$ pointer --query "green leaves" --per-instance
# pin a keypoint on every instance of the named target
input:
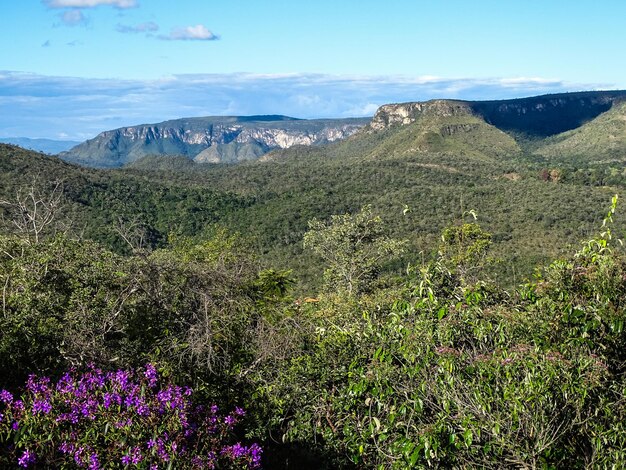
(353, 247)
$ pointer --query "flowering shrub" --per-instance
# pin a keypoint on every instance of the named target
(115, 420)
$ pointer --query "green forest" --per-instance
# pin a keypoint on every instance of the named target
(408, 298)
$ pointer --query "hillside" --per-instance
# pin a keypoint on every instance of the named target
(601, 140)
(439, 158)
(97, 203)
(226, 139)
(439, 126)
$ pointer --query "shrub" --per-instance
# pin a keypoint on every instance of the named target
(117, 419)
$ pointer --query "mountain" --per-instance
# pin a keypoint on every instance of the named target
(49, 146)
(539, 116)
(439, 126)
(225, 139)
(589, 125)
(602, 139)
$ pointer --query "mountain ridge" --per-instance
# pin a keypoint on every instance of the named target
(541, 115)
(228, 139)
(485, 129)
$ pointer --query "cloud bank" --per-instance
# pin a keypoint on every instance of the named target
(40, 106)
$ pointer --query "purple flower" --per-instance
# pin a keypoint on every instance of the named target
(41, 406)
(6, 397)
(255, 452)
(38, 386)
(78, 455)
(26, 459)
(151, 374)
(66, 447)
(66, 383)
(136, 456)
(126, 460)
(94, 463)
(15, 425)
(121, 378)
(143, 410)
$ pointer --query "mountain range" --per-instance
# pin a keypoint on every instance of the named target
(559, 125)
(223, 139)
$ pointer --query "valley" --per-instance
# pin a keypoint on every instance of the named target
(439, 158)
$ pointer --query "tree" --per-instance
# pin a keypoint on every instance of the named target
(34, 209)
(464, 248)
(353, 246)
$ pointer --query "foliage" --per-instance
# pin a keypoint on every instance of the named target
(67, 302)
(440, 373)
(353, 247)
(439, 366)
(464, 247)
(117, 419)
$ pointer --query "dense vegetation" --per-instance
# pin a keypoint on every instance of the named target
(438, 367)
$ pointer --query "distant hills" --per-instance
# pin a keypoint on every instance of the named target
(225, 139)
(49, 146)
(558, 125)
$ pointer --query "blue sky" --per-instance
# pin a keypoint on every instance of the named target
(73, 68)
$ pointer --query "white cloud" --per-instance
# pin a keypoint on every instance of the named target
(190, 33)
(73, 18)
(148, 27)
(90, 3)
(44, 106)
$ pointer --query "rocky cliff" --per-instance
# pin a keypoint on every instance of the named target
(209, 139)
(539, 116)
(407, 113)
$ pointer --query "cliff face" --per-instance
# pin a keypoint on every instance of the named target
(213, 139)
(539, 116)
(406, 113)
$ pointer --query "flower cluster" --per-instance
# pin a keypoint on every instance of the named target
(123, 417)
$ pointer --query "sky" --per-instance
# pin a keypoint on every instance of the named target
(70, 69)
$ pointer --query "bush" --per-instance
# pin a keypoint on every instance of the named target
(117, 419)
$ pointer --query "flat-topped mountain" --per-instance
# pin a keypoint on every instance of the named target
(218, 139)
(585, 124)
(538, 116)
